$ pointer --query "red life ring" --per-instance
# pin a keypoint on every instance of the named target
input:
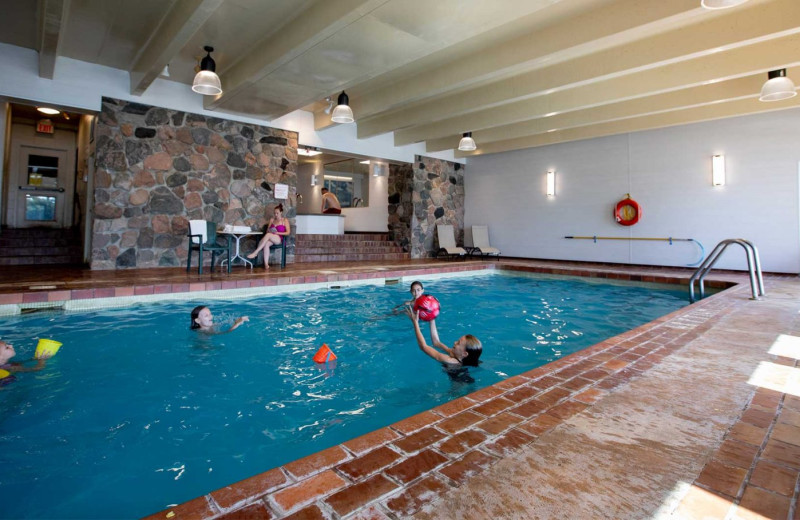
(627, 212)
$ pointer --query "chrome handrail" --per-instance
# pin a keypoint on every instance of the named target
(753, 268)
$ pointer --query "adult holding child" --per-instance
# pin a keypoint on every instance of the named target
(277, 229)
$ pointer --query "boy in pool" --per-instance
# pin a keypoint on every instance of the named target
(416, 292)
(203, 320)
(465, 352)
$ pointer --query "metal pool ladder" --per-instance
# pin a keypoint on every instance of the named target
(753, 268)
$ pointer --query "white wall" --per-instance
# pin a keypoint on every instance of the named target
(668, 171)
(80, 85)
(375, 217)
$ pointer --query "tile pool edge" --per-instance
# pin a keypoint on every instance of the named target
(399, 467)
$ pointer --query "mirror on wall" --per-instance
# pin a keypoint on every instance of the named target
(348, 179)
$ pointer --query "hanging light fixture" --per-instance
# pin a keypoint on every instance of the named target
(206, 81)
(720, 4)
(467, 143)
(342, 113)
(777, 87)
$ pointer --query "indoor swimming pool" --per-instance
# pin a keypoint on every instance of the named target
(136, 412)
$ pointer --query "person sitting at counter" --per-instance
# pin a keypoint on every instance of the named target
(330, 204)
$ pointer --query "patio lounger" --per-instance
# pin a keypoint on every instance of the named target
(447, 242)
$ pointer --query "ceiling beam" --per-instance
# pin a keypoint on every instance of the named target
(167, 39)
(601, 27)
(52, 21)
(700, 92)
(738, 28)
(733, 108)
(316, 24)
(739, 88)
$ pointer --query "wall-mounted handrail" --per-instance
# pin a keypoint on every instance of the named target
(753, 268)
(671, 240)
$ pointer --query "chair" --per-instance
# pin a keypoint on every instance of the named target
(447, 242)
(480, 242)
(281, 246)
(203, 237)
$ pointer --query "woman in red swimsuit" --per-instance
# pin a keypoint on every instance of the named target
(277, 228)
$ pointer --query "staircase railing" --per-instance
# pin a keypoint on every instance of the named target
(753, 268)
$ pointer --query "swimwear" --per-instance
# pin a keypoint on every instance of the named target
(333, 211)
(280, 229)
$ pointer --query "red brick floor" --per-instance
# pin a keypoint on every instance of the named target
(414, 466)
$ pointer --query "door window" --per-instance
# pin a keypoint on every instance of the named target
(43, 171)
(40, 207)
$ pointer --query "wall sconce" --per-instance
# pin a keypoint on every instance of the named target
(313, 180)
(718, 170)
(379, 169)
(551, 183)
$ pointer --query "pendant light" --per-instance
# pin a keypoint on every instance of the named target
(206, 81)
(342, 113)
(777, 87)
(467, 143)
(720, 4)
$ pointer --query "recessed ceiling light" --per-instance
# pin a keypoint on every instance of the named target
(364, 162)
(720, 4)
(47, 110)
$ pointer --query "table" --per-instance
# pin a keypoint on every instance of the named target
(237, 254)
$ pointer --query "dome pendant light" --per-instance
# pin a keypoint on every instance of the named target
(467, 143)
(720, 4)
(342, 113)
(777, 87)
(206, 81)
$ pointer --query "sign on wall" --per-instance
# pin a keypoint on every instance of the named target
(45, 126)
(281, 191)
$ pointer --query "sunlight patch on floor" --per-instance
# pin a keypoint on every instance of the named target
(786, 346)
(776, 377)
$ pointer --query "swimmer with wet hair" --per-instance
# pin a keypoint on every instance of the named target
(203, 320)
(416, 292)
(6, 353)
(465, 351)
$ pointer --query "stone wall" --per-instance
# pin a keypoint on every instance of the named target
(437, 198)
(401, 207)
(159, 168)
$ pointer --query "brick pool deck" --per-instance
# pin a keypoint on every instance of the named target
(693, 415)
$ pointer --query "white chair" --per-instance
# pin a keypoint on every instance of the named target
(447, 242)
(480, 242)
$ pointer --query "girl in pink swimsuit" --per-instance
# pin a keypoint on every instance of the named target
(277, 229)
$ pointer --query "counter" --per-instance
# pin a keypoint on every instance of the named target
(318, 224)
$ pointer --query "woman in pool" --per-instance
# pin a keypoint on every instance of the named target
(277, 228)
(416, 292)
(465, 352)
(203, 320)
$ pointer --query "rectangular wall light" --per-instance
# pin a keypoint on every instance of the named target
(551, 183)
(313, 180)
(718, 170)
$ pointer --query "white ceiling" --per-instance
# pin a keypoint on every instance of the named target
(517, 73)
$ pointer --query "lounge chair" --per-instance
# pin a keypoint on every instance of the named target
(480, 242)
(447, 242)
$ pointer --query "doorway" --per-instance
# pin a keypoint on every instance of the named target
(41, 187)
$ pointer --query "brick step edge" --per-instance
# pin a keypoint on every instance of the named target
(345, 250)
(40, 260)
(44, 252)
(347, 237)
(351, 257)
(337, 243)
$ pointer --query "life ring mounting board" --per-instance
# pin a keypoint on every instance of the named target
(627, 212)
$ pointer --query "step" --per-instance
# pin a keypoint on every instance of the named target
(351, 257)
(381, 237)
(41, 251)
(36, 241)
(40, 260)
(345, 250)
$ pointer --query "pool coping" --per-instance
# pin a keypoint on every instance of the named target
(398, 469)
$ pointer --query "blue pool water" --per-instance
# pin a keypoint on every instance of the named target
(136, 412)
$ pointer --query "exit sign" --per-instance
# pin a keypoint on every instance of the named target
(45, 126)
